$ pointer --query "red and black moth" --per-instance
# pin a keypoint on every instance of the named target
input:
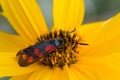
(33, 53)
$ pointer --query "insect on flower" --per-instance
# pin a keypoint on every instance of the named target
(35, 52)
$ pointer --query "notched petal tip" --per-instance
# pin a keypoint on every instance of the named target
(1, 11)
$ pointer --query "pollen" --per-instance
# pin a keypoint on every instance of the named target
(65, 54)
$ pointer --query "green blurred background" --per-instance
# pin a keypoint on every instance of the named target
(96, 10)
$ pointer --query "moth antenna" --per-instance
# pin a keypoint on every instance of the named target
(72, 31)
(83, 43)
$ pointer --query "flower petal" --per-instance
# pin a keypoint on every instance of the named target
(10, 67)
(21, 77)
(84, 74)
(88, 30)
(107, 31)
(52, 74)
(73, 75)
(5, 78)
(103, 49)
(41, 72)
(61, 73)
(107, 67)
(104, 40)
(67, 14)
(57, 73)
(10, 42)
(25, 17)
(101, 57)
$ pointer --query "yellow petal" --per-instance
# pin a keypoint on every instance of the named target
(107, 67)
(72, 75)
(26, 18)
(9, 65)
(60, 74)
(10, 42)
(107, 31)
(100, 57)
(57, 73)
(105, 39)
(42, 73)
(88, 30)
(82, 72)
(67, 14)
(21, 77)
(51, 73)
(79, 74)
(88, 73)
(64, 74)
(103, 49)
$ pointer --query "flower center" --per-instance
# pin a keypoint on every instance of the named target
(65, 53)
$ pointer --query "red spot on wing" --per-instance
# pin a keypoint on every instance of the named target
(24, 56)
(30, 59)
(36, 51)
(50, 48)
(39, 55)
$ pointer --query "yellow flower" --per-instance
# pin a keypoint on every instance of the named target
(100, 60)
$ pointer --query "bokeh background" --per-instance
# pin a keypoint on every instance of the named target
(96, 10)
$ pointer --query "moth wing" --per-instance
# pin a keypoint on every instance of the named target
(25, 60)
(45, 48)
